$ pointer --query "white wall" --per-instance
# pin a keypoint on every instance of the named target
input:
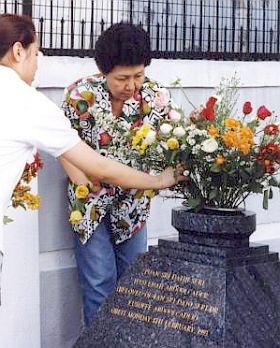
(39, 245)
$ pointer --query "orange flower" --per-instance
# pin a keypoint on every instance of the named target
(220, 159)
(213, 131)
(229, 139)
(232, 123)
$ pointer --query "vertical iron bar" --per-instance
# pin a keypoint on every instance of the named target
(72, 23)
(82, 34)
(131, 12)
(102, 25)
(248, 25)
(62, 33)
(51, 24)
(26, 7)
(166, 25)
(112, 12)
(225, 39)
(256, 40)
(270, 40)
(158, 37)
(241, 39)
(217, 26)
(175, 37)
(263, 28)
(91, 25)
(41, 20)
(185, 25)
(193, 38)
(278, 27)
(16, 7)
(149, 17)
(233, 25)
(209, 38)
(200, 24)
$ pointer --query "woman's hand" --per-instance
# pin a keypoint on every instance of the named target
(171, 176)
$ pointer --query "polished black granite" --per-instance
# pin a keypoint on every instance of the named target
(195, 293)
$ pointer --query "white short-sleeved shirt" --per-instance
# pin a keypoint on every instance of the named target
(28, 120)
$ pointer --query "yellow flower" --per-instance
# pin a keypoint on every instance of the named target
(232, 123)
(213, 131)
(145, 129)
(137, 138)
(149, 193)
(172, 144)
(247, 133)
(229, 138)
(143, 148)
(33, 201)
(81, 191)
(244, 148)
(75, 217)
(220, 159)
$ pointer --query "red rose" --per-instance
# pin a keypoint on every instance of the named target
(247, 108)
(263, 112)
(208, 113)
(104, 139)
(211, 102)
(271, 129)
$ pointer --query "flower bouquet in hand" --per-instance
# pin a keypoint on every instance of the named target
(22, 195)
(226, 157)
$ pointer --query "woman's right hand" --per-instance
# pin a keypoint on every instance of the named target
(171, 176)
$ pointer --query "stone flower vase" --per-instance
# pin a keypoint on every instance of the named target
(214, 226)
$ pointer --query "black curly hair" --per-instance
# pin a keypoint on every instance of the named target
(122, 44)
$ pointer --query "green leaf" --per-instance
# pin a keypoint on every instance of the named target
(215, 168)
(256, 188)
(194, 202)
(265, 199)
(7, 220)
(273, 182)
(213, 194)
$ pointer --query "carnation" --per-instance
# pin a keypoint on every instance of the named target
(165, 128)
(209, 145)
(179, 132)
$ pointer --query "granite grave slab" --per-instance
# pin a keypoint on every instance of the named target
(195, 293)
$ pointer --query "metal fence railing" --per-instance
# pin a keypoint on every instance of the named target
(186, 29)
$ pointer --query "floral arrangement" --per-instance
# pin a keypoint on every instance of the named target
(22, 195)
(226, 157)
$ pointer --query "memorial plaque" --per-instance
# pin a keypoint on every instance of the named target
(193, 295)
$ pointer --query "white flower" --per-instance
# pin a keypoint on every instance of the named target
(195, 149)
(179, 132)
(218, 98)
(186, 172)
(165, 128)
(209, 145)
(159, 149)
(150, 137)
(183, 147)
(191, 141)
(174, 115)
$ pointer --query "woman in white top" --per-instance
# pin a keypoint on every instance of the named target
(29, 120)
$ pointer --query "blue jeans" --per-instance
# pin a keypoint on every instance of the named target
(101, 263)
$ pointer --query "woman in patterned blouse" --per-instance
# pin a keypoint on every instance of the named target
(103, 108)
